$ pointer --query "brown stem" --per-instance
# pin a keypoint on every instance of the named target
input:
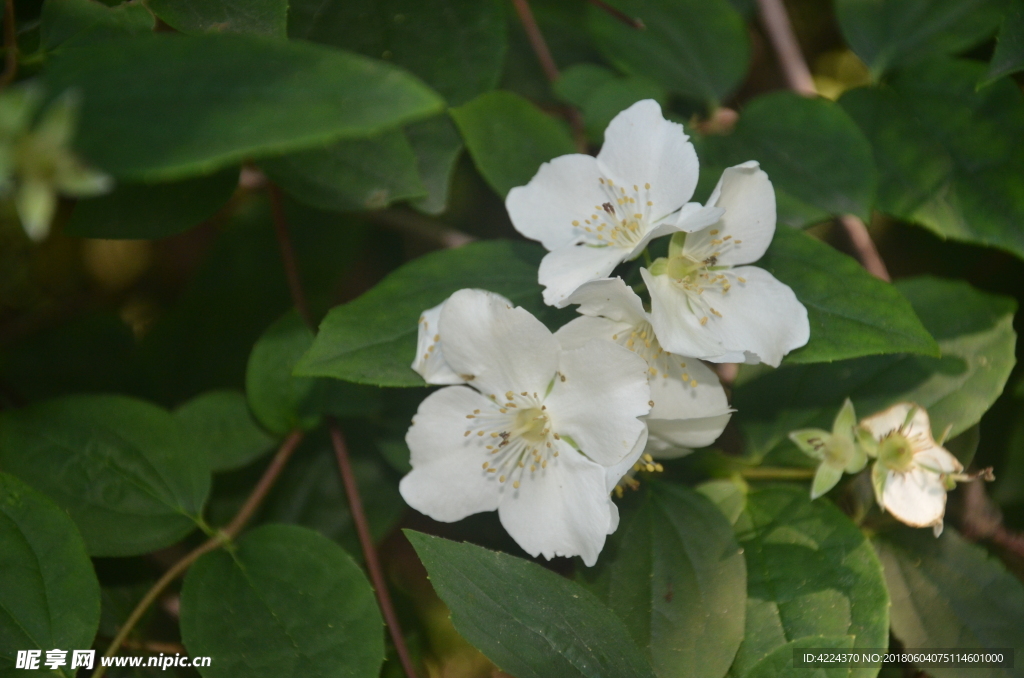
(291, 267)
(547, 64)
(380, 586)
(798, 78)
(411, 223)
(257, 496)
(10, 45)
(616, 14)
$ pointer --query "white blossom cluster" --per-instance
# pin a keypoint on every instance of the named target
(542, 426)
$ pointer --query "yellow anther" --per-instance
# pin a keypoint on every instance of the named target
(466, 434)
(704, 320)
(647, 186)
(742, 280)
(516, 484)
(693, 383)
(486, 464)
(713, 231)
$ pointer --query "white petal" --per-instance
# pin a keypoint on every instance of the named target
(916, 497)
(825, 478)
(563, 190)
(447, 481)
(678, 327)
(641, 147)
(885, 422)
(565, 269)
(610, 298)
(760, 316)
(579, 331)
(748, 198)
(502, 348)
(430, 363)
(694, 217)
(676, 398)
(613, 474)
(937, 459)
(672, 438)
(601, 390)
(561, 510)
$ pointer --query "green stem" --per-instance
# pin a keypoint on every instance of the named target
(774, 473)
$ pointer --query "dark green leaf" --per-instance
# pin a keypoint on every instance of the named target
(852, 313)
(372, 340)
(528, 620)
(949, 593)
(456, 46)
(224, 429)
(812, 151)
(245, 97)
(950, 156)
(509, 138)
(697, 48)
(258, 17)
(887, 33)
(286, 602)
(49, 596)
(1009, 55)
(437, 146)
(810, 573)
(975, 334)
(601, 95)
(84, 21)
(357, 174)
(124, 470)
(677, 578)
(137, 211)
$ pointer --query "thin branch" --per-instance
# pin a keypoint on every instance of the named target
(412, 223)
(257, 496)
(798, 77)
(772, 473)
(10, 45)
(291, 267)
(547, 64)
(787, 49)
(380, 586)
(617, 14)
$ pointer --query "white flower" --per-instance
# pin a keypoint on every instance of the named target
(532, 434)
(594, 213)
(912, 469)
(430, 362)
(838, 450)
(689, 406)
(704, 302)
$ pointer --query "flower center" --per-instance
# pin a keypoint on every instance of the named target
(693, 277)
(622, 220)
(896, 452)
(532, 425)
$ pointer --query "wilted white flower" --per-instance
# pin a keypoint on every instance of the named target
(532, 434)
(689, 407)
(594, 213)
(40, 162)
(430, 362)
(912, 470)
(704, 301)
(838, 450)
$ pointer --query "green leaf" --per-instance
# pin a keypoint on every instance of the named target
(285, 602)
(456, 46)
(49, 596)
(677, 579)
(280, 401)
(372, 340)
(528, 620)
(852, 313)
(224, 429)
(1009, 55)
(810, 573)
(975, 334)
(887, 33)
(697, 48)
(246, 97)
(357, 174)
(812, 151)
(950, 156)
(257, 17)
(437, 146)
(125, 471)
(949, 593)
(83, 21)
(137, 211)
(509, 138)
(601, 95)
